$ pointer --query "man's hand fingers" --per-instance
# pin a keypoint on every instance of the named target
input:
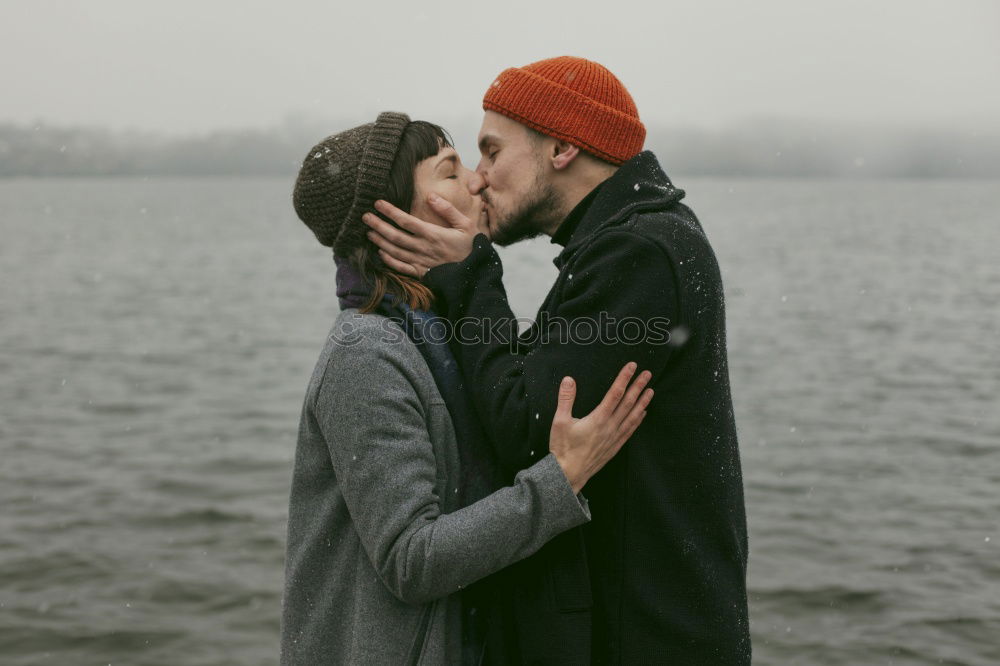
(390, 233)
(403, 219)
(400, 266)
(449, 213)
(392, 249)
(414, 225)
(617, 390)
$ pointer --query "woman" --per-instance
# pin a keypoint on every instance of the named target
(396, 503)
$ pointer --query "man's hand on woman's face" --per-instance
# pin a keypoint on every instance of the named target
(421, 245)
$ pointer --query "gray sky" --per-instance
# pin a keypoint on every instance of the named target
(184, 65)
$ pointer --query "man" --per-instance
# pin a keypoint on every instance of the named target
(659, 575)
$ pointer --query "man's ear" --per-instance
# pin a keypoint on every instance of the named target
(563, 154)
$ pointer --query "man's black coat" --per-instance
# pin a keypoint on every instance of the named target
(659, 575)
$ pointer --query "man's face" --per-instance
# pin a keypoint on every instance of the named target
(520, 202)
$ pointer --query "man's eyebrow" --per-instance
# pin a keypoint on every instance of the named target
(486, 140)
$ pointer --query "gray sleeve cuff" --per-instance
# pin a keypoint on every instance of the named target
(569, 505)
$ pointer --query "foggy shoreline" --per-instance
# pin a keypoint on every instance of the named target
(764, 148)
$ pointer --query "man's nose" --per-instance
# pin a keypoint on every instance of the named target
(481, 167)
(477, 182)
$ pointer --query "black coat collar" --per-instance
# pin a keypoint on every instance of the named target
(639, 185)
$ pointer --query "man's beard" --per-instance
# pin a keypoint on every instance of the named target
(536, 212)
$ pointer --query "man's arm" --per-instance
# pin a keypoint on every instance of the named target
(619, 277)
(616, 302)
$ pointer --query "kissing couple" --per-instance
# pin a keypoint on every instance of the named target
(519, 498)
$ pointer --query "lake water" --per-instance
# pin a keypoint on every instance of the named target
(157, 336)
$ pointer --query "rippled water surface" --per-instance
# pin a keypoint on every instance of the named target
(157, 336)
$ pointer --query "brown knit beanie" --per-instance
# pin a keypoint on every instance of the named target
(572, 99)
(341, 178)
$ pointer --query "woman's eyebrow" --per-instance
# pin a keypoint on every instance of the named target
(453, 158)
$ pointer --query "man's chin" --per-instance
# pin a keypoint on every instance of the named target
(512, 232)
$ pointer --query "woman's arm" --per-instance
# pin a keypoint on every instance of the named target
(376, 430)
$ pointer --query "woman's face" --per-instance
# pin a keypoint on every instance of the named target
(444, 175)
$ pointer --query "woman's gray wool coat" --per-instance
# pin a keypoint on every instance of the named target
(376, 544)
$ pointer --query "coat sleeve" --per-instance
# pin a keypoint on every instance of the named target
(615, 302)
(376, 430)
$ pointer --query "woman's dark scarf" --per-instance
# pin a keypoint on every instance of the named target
(479, 472)
(428, 332)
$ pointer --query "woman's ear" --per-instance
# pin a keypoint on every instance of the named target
(563, 154)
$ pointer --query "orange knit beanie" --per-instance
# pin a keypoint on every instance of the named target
(572, 99)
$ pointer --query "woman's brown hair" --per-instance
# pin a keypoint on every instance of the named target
(419, 141)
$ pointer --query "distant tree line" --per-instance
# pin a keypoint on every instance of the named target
(761, 148)
(799, 149)
(61, 151)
